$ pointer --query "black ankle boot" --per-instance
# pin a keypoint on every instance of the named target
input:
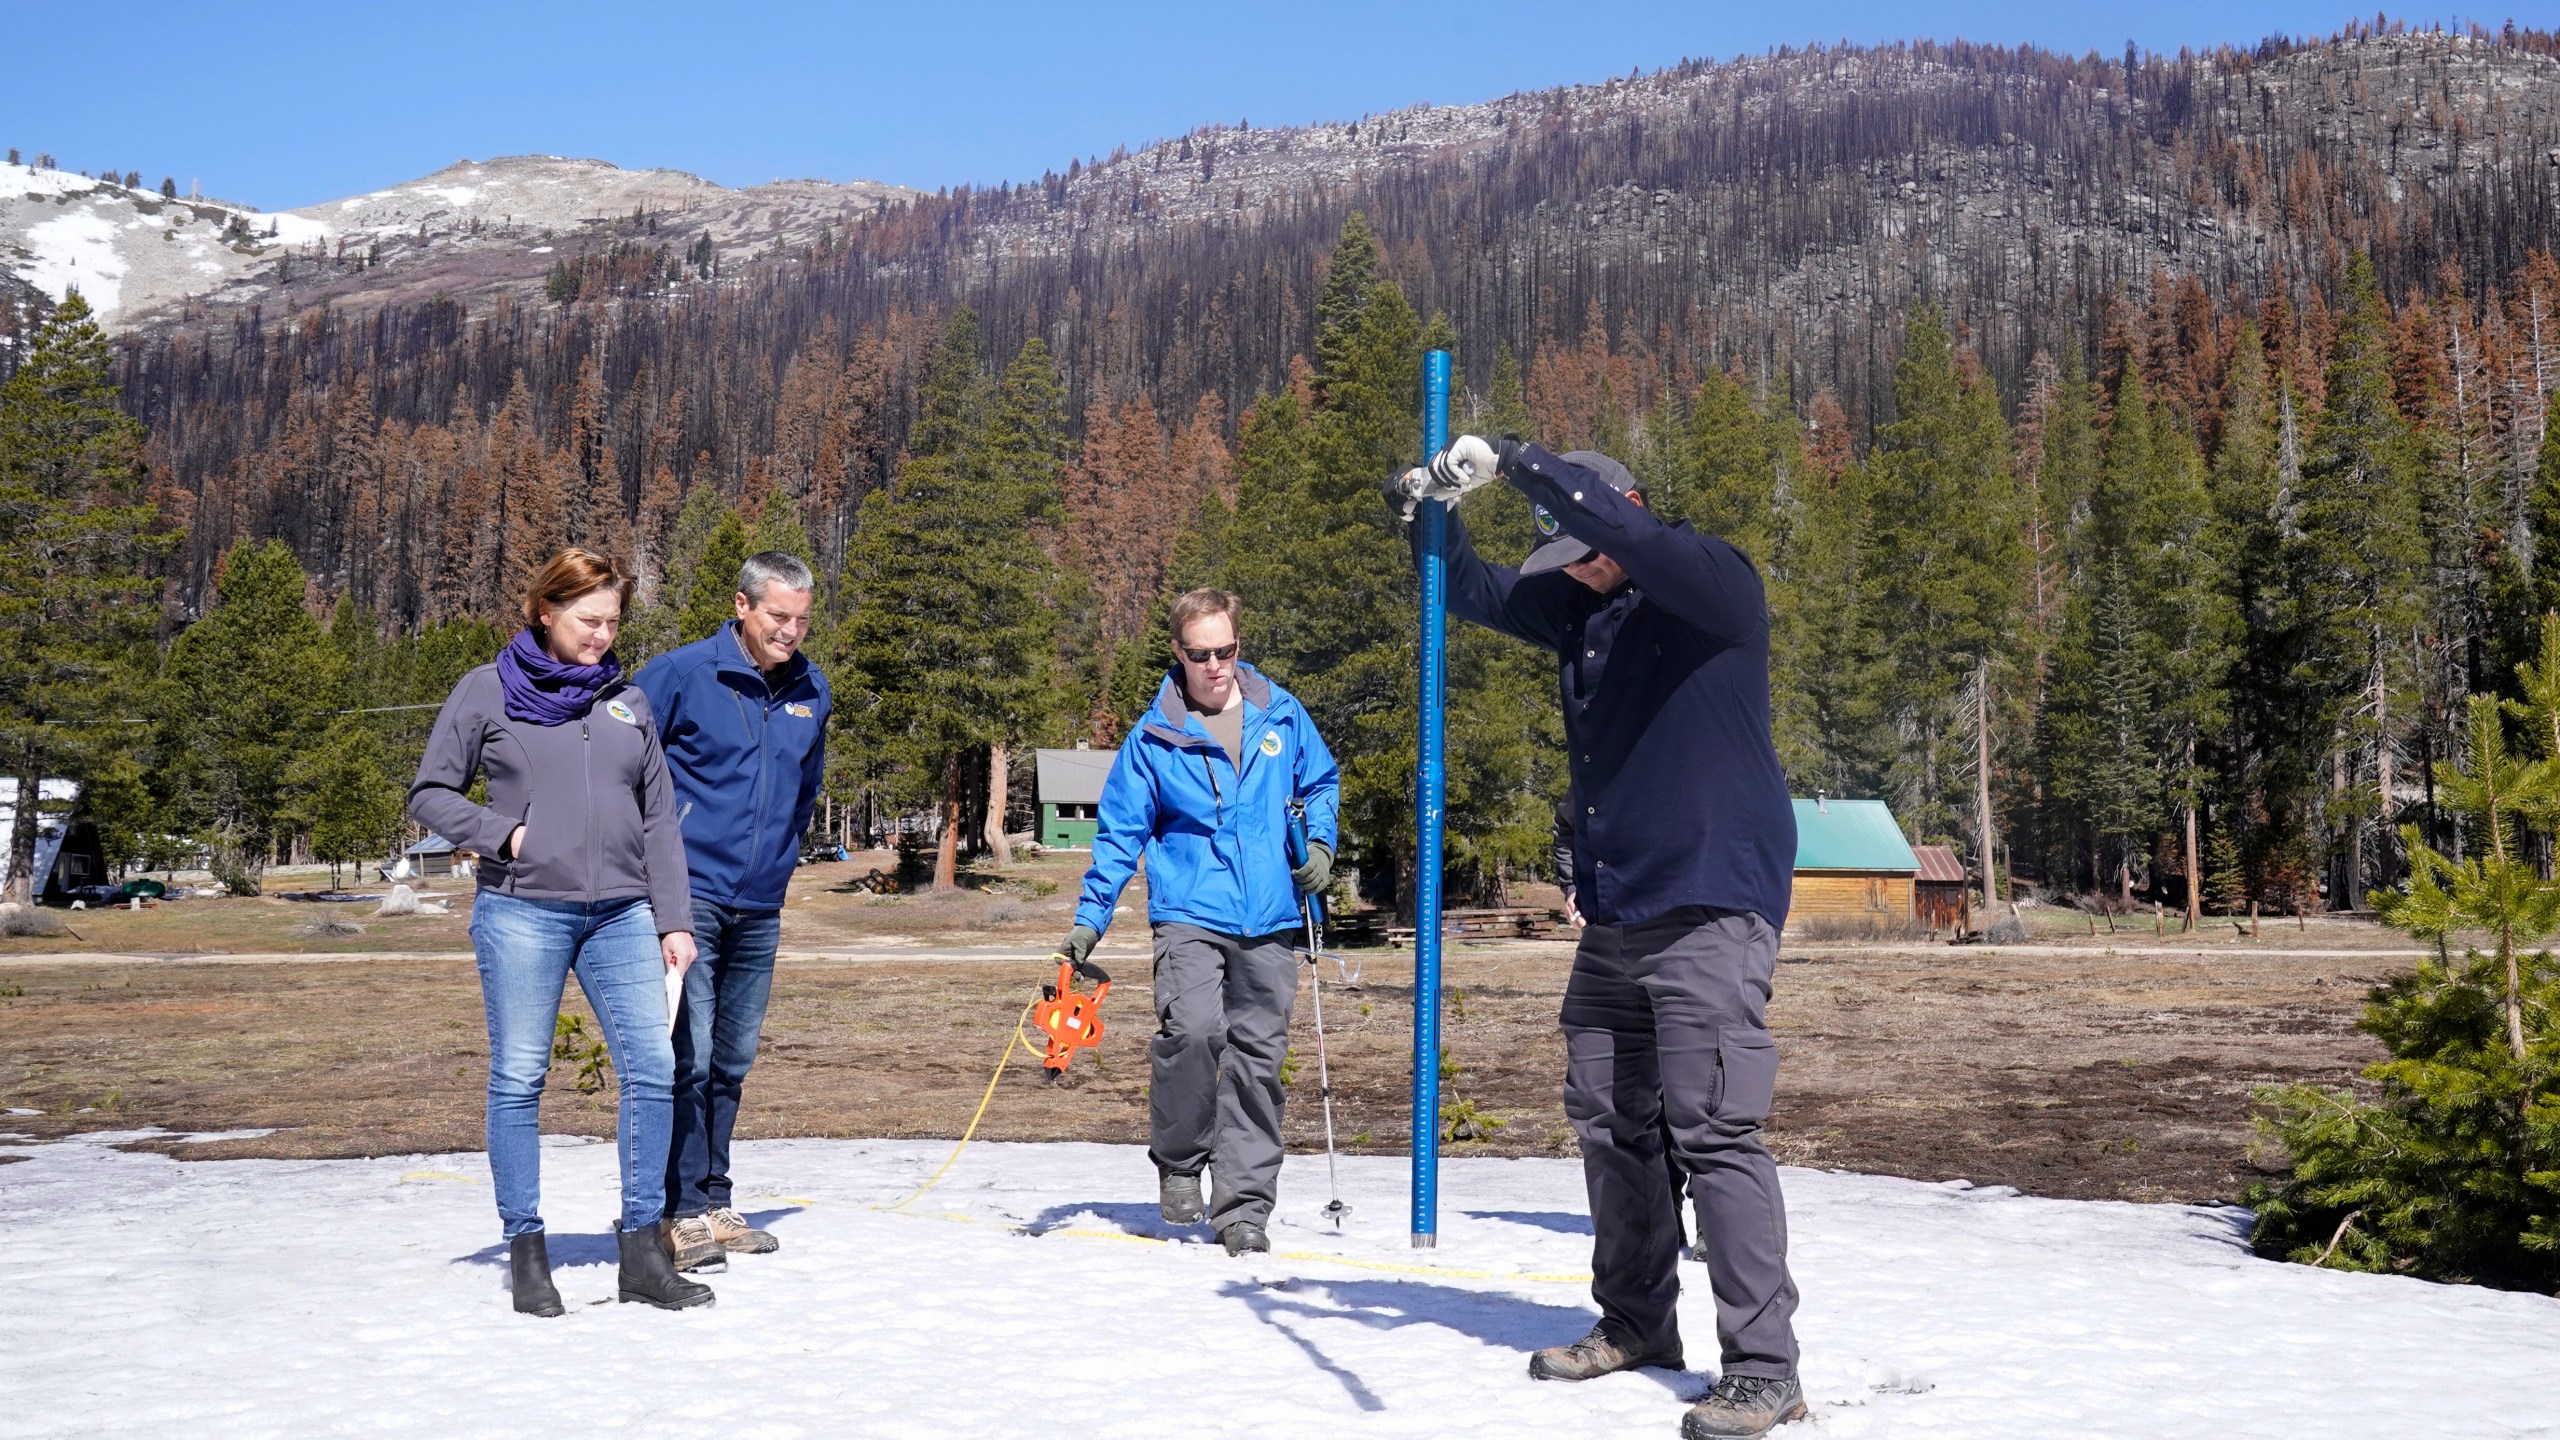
(529, 1275)
(649, 1275)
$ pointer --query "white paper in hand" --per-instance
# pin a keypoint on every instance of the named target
(675, 998)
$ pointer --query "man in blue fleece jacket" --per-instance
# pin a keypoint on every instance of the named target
(744, 718)
(1683, 861)
(1202, 788)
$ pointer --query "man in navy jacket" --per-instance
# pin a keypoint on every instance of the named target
(1683, 849)
(744, 718)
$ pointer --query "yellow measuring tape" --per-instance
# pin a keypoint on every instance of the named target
(1122, 1237)
(1017, 1038)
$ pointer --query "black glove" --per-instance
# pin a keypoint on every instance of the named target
(1399, 490)
(1079, 944)
(1318, 869)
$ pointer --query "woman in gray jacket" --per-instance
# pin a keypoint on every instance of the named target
(582, 870)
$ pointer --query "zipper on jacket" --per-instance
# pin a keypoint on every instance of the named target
(587, 772)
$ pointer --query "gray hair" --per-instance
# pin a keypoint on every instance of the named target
(767, 568)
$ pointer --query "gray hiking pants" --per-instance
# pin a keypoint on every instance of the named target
(1665, 1032)
(1222, 1026)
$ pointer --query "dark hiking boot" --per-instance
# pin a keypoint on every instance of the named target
(692, 1245)
(1178, 1199)
(1591, 1357)
(737, 1236)
(1245, 1236)
(1744, 1405)
(649, 1273)
(529, 1275)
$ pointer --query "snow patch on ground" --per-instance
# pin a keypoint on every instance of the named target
(76, 251)
(1036, 1293)
(17, 181)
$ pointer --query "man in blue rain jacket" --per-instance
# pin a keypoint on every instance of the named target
(744, 716)
(1203, 787)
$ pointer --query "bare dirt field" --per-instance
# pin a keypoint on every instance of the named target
(2115, 1067)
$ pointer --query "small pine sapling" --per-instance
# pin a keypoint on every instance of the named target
(2454, 1171)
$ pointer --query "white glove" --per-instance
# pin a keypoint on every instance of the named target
(1467, 463)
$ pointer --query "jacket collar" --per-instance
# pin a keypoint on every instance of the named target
(729, 651)
(1169, 719)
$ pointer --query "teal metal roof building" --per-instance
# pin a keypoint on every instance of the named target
(1852, 865)
(1851, 835)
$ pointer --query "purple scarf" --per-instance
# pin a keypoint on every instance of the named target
(542, 690)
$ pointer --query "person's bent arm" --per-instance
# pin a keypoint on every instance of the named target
(1493, 595)
(662, 843)
(1319, 784)
(1126, 819)
(439, 799)
(1700, 578)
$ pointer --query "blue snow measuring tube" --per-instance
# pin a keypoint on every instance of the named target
(1428, 789)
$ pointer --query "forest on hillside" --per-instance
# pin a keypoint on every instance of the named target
(2184, 441)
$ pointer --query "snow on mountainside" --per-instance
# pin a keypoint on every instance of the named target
(473, 226)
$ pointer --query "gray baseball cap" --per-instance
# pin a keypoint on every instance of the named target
(1555, 549)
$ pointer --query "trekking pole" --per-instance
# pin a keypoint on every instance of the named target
(1311, 909)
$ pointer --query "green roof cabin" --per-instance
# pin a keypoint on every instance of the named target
(1853, 868)
(1069, 786)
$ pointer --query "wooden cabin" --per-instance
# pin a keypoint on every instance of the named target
(1852, 865)
(1069, 790)
(1940, 898)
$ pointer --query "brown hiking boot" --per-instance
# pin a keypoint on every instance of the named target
(737, 1236)
(691, 1245)
(1591, 1357)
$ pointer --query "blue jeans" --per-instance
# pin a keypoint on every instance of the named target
(526, 949)
(724, 1000)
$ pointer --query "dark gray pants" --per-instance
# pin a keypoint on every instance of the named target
(1222, 1026)
(1665, 1031)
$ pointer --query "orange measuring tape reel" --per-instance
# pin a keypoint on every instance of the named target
(1070, 1020)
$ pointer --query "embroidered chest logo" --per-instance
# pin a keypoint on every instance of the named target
(1271, 743)
(620, 711)
(796, 708)
(1546, 523)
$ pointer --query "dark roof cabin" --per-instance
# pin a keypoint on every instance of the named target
(1940, 898)
(1069, 786)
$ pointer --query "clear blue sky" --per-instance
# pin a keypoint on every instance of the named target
(284, 103)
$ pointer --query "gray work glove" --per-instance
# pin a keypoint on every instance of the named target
(1079, 944)
(1318, 869)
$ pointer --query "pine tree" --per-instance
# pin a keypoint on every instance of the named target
(1946, 563)
(247, 690)
(711, 601)
(950, 642)
(76, 540)
(2191, 632)
(2454, 1172)
(345, 795)
(2357, 566)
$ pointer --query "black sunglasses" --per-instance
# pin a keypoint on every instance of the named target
(1204, 656)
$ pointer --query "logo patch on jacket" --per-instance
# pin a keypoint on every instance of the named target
(1547, 524)
(796, 708)
(620, 711)
(1271, 743)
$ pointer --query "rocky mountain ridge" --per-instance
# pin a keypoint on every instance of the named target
(473, 228)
